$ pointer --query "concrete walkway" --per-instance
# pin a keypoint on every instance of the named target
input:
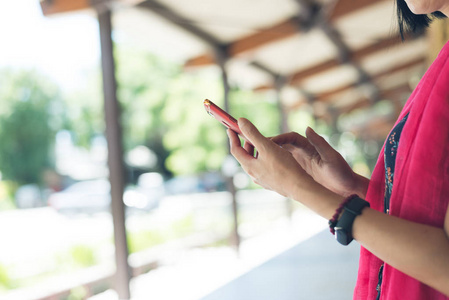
(295, 259)
(315, 269)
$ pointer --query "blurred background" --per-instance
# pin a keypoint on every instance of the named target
(115, 183)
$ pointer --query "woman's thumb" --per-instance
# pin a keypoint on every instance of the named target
(322, 147)
(251, 132)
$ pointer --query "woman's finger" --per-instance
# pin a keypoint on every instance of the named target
(292, 138)
(322, 147)
(295, 144)
(236, 149)
(252, 134)
(249, 148)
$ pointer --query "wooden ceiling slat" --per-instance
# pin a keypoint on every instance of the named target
(198, 61)
(282, 30)
(183, 22)
(402, 67)
(391, 93)
(322, 67)
(377, 46)
(277, 32)
(329, 94)
(357, 55)
(50, 7)
(345, 7)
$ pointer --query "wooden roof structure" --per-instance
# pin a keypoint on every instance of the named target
(331, 55)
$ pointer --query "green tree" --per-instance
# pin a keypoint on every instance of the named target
(163, 109)
(85, 109)
(30, 111)
(144, 81)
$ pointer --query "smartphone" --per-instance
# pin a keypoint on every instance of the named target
(223, 117)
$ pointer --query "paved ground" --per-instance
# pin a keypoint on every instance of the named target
(315, 269)
(296, 259)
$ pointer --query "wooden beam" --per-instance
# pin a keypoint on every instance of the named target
(277, 32)
(296, 78)
(402, 67)
(283, 30)
(377, 46)
(280, 31)
(326, 96)
(50, 7)
(391, 93)
(264, 88)
(203, 60)
(358, 55)
(181, 21)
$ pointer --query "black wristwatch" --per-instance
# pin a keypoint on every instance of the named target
(343, 229)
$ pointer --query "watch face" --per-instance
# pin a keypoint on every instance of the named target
(342, 236)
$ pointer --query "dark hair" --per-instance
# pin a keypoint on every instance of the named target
(408, 21)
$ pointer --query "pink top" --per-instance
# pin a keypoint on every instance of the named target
(421, 181)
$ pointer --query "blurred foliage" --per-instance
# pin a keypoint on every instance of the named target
(64, 261)
(83, 255)
(5, 280)
(7, 189)
(145, 239)
(75, 257)
(78, 293)
(30, 112)
(163, 110)
(85, 109)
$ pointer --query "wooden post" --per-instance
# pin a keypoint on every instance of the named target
(279, 83)
(115, 153)
(235, 237)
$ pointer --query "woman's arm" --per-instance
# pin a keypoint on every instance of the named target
(418, 250)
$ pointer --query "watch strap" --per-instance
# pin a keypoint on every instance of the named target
(343, 229)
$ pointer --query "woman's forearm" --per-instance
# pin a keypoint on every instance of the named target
(418, 250)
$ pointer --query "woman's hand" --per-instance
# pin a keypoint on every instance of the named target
(273, 168)
(323, 163)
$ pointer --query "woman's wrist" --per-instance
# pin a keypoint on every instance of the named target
(361, 186)
(316, 197)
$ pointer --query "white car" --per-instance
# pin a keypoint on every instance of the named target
(83, 197)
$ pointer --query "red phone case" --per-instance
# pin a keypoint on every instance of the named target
(222, 116)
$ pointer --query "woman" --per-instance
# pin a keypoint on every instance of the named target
(403, 223)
